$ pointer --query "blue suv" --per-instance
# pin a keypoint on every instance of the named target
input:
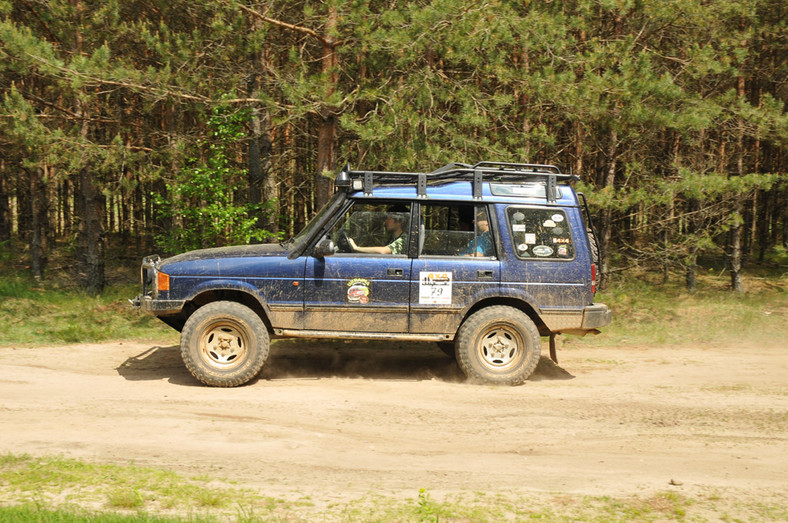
(483, 259)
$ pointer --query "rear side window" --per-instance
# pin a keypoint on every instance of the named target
(455, 230)
(540, 233)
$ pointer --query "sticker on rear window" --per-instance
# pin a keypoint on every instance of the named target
(542, 250)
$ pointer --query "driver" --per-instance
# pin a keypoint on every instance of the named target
(396, 218)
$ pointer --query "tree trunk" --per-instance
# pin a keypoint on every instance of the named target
(23, 217)
(666, 255)
(262, 184)
(91, 232)
(5, 208)
(735, 255)
(326, 138)
(137, 215)
(606, 225)
(578, 148)
(735, 242)
(67, 216)
(90, 243)
(38, 229)
(692, 264)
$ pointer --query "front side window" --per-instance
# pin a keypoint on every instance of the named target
(540, 233)
(373, 228)
(455, 230)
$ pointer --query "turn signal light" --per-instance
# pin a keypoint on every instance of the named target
(163, 283)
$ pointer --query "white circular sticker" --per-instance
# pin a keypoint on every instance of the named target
(558, 218)
(522, 247)
(543, 250)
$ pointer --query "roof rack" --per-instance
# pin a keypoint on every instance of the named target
(478, 173)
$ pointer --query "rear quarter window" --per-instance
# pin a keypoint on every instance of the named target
(540, 234)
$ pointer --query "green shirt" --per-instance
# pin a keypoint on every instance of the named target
(399, 245)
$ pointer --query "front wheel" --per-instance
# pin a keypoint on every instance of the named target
(224, 344)
(498, 345)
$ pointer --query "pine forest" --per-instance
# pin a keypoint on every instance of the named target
(138, 126)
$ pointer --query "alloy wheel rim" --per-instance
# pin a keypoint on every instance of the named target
(224, 345)
(500, 347)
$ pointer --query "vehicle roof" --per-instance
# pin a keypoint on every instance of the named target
(463, 191)
(488, 181)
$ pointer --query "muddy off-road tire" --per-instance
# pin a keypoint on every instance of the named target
(498, 345)
(224, 344)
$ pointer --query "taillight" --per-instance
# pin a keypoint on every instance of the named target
(593, 278)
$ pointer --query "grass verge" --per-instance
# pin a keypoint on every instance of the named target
(67, 490)
(649, 313)
(35, 313)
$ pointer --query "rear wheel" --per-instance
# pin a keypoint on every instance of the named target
(224, 344)
(499, 345)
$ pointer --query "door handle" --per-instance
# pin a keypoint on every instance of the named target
(484, 274)
(394, 272)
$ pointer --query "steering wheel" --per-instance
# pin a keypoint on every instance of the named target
(343, 242)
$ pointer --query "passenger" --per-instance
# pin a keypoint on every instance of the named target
(483, 243)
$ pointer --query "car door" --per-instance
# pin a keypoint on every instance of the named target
(457, 265)
(352, 291)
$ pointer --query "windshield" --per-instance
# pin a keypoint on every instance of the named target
(317, 220)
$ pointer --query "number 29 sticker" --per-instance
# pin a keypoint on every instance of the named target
(435, 288)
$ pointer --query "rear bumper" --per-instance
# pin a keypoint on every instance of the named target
(577, 321)
(595, 316)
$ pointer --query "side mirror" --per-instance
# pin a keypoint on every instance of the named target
(325, 247)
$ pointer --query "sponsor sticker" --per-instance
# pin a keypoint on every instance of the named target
(435, 288)
(359, 291)
(557, 218)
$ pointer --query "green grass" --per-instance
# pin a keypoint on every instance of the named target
(72, 483)
(41, 313)
(648, 313)
(32, 489)
(34, 513)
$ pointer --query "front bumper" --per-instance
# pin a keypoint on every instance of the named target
(149, 300)
(157, 307)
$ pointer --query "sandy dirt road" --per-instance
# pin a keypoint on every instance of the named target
(337, 420)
